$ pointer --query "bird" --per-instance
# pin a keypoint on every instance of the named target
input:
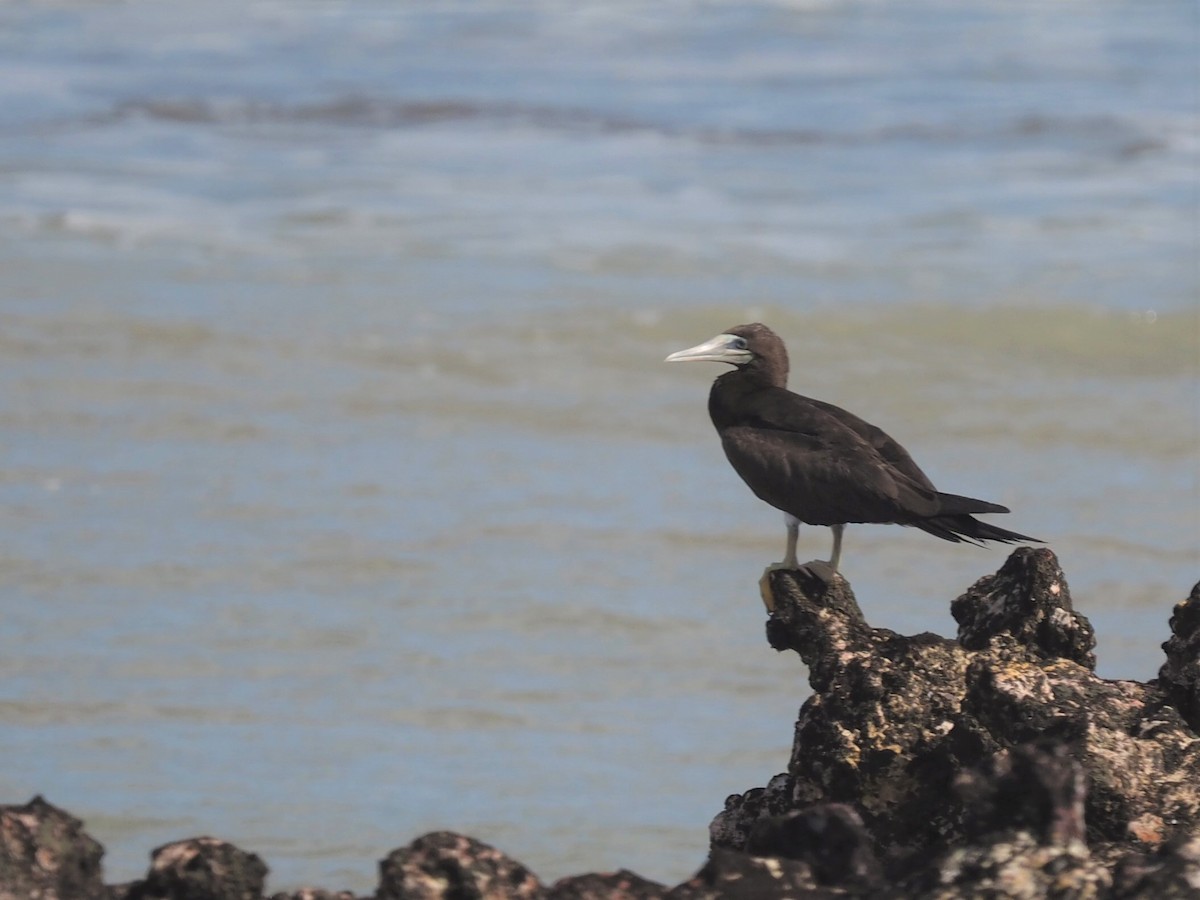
(818, 463)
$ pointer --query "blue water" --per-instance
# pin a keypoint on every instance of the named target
(345, 493)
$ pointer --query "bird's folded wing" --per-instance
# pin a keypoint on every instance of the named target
(824, 473)
(887, 447)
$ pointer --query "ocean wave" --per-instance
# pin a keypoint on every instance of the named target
(1122, 136)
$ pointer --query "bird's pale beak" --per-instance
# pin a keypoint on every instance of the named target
(720, 349)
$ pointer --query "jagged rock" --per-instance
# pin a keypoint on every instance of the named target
(447, 865)
(732, 827)
(622, 885)
(881, 703)
(814, 617)
(829, 838)
(46, 855)
(201, 868)
(730, 874)
(1023, 827)
(997, 754)
(1028, 600)
(1180, 674)
(1170, 873)
(1036, 788)
(1142, 760)
(1018, 867)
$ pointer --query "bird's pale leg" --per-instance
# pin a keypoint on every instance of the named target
(793, 534)
(836, 557)
(789, 562)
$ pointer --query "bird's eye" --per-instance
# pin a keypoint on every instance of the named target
(738, 343)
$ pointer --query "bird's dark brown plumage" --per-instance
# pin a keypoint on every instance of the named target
(817, 462)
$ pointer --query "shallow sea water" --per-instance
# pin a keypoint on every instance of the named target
(346, 494)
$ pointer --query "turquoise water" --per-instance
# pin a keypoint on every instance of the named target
(346, 494)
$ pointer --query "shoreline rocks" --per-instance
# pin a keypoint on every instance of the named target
(996, 764)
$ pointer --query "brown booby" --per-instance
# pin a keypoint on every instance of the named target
(818, 463)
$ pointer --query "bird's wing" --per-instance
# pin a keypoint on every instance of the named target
(887, 447)
(822, 472)
(902, 464)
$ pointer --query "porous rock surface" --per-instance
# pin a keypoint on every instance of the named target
(45, 854)
(202, 868)
(444, 864)
(994, 765)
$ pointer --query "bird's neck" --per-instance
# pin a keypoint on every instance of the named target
(730, 390)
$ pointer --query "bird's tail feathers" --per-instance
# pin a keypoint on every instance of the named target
(957, 505)
(966, 528)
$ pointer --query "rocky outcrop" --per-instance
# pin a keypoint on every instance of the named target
(1179, 676)
(444, 864)
(202, 868)
(622, 885)
(994, 765)
(45, 854)
(998, 762)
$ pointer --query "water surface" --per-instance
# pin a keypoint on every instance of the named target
(346, 494)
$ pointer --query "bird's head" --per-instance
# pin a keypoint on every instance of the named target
(752, 348)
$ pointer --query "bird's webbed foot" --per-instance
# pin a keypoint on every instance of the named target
(820, 570)
(817, 570)
(764, 585)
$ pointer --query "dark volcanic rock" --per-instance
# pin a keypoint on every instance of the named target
(202, 868)
(1018, 866)
(729, 874)
(1037, 788)
(814, 617)
(997, 764)
(1180, 674)
(622, 885)
(444, 864)
(828, 837)
(732, 827)
(882, 705)
(1028, 600)
(1023, 827)
(1173, 871)
(45, 854)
